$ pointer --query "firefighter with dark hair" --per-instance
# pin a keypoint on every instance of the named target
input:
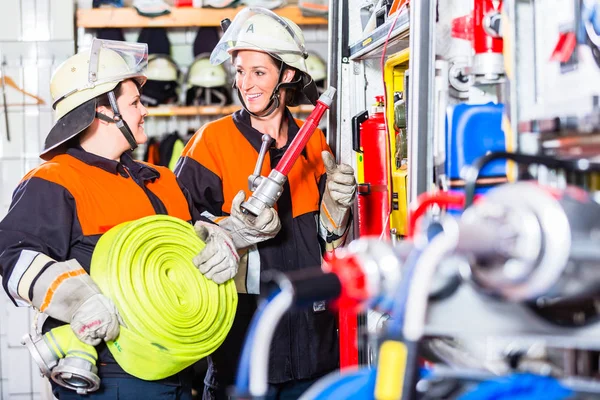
(89, 184)
(268, 54)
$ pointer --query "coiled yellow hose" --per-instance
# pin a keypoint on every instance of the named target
(174, 316)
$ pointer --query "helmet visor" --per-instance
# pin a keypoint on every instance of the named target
(134, 55)
(113, 61)
(260, 29)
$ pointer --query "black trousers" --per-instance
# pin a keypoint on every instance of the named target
(223, 363)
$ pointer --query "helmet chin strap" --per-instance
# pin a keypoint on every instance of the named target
(118, 120)
(274, 100)
(271, 107)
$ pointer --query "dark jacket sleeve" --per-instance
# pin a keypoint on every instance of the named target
(196, 215)
(35, 232)
(203, 183)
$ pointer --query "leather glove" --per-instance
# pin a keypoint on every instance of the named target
(66, 292)
(340, 191)
(246, 230)
(219, 259)
(97, 319)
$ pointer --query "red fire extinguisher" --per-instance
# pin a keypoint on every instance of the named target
(369, 137)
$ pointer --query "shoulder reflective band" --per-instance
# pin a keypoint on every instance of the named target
(174, 316)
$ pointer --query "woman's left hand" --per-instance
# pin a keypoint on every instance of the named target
(340, 191)
(341, 184)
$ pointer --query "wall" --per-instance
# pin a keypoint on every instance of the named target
(35, 36)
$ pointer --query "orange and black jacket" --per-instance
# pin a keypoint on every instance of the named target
(214, 166)
(61, 208)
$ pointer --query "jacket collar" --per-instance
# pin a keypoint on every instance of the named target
(142, 171)
(241, 119)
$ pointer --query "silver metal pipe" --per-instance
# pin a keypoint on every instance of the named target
(335, 35)
(420, 96)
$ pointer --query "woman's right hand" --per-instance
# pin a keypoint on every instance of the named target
(219, 259)
(247, 230)
(66, 292)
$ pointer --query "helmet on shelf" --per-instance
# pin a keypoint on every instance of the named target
(163, 80)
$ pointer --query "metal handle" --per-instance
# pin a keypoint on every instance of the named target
(266, 142)
(253, 180)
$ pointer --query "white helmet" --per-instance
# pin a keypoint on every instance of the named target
(206, 83)
(161, 67)
(163, 81)
(270, 4)
(77, 83)
(204, 74)
(219, 3)
(316, 67)
(259, 29)
(314, 8)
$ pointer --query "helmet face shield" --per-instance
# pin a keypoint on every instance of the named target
(262, 30)
(134, 55)
(110, 61)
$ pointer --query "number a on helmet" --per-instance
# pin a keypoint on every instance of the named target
(250, 28)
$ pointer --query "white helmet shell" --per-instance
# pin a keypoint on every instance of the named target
(262, 30)
(162, 68)
(204, 74)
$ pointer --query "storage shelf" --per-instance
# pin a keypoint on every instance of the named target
(128, 17)
(371, 46)
(191, 111)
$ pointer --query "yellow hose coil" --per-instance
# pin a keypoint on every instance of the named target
(174, 316)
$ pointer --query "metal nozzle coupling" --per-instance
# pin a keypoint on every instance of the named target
(74, 370)
(77, 374)
(41, 353)
(266, 194)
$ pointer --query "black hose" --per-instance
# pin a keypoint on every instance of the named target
(579, 165)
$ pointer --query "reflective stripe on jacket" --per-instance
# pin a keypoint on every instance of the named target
(61, 208)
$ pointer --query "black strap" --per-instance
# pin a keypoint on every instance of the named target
(275, 100)
(104, 118)
(121, 124)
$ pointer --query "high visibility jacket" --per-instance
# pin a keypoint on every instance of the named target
(61, 208)
(215, 165)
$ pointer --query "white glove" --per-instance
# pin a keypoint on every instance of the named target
(219, 259)
(246, 230)
(66, 292)
(340, 191)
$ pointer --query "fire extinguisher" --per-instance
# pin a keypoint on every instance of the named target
(369, 137)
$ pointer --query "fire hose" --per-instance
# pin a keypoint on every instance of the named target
(173, 316)
(267, 190)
